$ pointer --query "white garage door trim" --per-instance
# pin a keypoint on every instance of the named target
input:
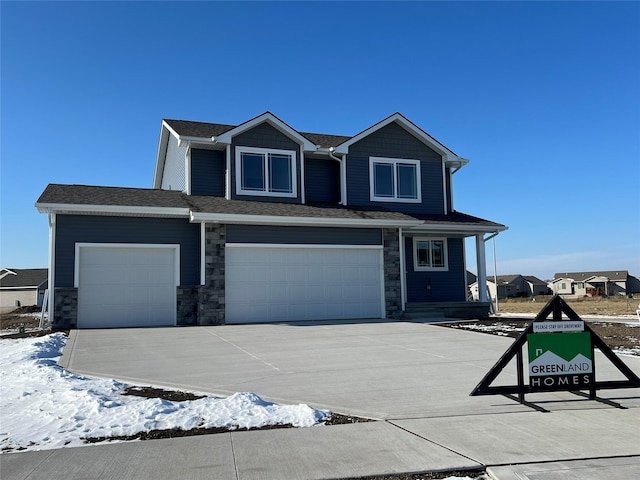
(379, 259)
(174, 248)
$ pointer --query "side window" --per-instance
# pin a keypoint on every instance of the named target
(430, 254)
(265, 172)
(394, 180)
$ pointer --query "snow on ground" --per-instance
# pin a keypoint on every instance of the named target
(498, 329)
(44, 406)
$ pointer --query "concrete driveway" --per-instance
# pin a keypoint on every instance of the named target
(415, 376)
(382, 370)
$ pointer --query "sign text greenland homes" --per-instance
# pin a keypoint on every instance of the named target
(560, 360)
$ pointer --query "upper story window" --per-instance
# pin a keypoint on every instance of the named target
(394, 180)
(268, 172)
(430, 254)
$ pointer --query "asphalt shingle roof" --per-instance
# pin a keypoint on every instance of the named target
(534, 280)
(454, 218)
(188, 128)
(57, 194)
(614, 275)
(25, 277)
(118, 196)
(198, 129)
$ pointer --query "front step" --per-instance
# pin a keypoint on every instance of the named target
(464, 310)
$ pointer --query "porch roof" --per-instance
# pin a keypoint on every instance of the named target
(84, 199)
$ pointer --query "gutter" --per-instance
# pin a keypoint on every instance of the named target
(461, 228)
(199, 217)
(112, 209)
(343, 174)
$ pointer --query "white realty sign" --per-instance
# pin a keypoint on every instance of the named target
(555, 327)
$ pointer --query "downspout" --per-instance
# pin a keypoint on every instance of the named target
(203, 253)
(343, 174)
(52, 265)
(187, 168)
(302, 183)
(403, 288)
(444, 189)
(227, 178)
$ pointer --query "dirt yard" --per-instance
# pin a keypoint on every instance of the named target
(608, 306)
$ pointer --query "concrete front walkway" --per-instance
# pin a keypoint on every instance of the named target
(413, 377)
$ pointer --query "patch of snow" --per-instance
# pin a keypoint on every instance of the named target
(481, 477)
(44, 406)
(634, 352)
(498, 328)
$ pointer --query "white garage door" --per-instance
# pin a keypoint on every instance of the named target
(289, 283)
(127, 285)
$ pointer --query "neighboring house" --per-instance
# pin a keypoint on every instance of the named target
(509, 286)
(595, 284)
(21, 287)
(537, 286)
(259, 222)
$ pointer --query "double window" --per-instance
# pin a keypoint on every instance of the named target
(429, 254)
(394, 180)
(266, 172)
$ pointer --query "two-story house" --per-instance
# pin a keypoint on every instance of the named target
(259, 222)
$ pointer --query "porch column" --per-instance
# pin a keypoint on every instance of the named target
(482, 268)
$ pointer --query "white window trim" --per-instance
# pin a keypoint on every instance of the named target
(394, 162)
(264, 151)
(445, 252)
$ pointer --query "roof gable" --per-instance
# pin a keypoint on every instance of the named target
(412, 128)
(272, 120)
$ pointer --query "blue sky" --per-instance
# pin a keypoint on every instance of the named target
(542, 97)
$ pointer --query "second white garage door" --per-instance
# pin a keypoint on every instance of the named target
(290, 283)
(126, 285)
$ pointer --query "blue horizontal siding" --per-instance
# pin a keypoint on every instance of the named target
(322, 180)
(72, 229)
(449, 286)
(207, 172)
(303, 235)
(393, 141)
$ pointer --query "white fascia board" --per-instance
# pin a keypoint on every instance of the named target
(470, 229)
(22, 287)
(115, 209)
(198, 217)
(275, 122)
(412, 128)
(162, 154)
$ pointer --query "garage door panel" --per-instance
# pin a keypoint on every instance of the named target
(126, 286)
(314, 283)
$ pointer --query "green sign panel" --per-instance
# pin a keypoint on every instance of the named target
(560, 361)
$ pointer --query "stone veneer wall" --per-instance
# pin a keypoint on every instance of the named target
(392, 289)
(187, 305)
(211, 295)
(65, 309)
